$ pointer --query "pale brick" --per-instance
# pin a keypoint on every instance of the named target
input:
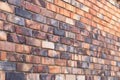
(70, 35)
(59, 77)
(5, 7)
(80, 77)
(3, 35)
(46, 44)
(70, 77)
(32, 76)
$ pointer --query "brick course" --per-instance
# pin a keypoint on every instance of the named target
(59, 40)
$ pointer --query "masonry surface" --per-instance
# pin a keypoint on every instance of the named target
(59, 40)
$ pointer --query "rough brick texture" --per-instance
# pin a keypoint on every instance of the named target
(59, 40)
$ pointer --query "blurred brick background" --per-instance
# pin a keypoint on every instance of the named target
(59, 40)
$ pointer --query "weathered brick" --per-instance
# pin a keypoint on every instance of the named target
(70, 49)
(60, 47)
(23, 31)
(33, 59)
(16, 2)
(59, 77)
(47, 77)
(24, 67)
(59, 32)
(81, 77)
(53, 38)
(52, 53)
(15, 57)
(40, 2)
(60, 62)
(7, 66)
(70, 35)
(70, 77)
(46, 60)
(33, 24)
(66, 70)
(41, 69)
(32, 7)
(14, 76)
(53, 22)
(84, 8)
(16, 38)
(6, 7)
(15, 19)
(2, 16)
(66, 55)
(33, 42)
(46, 28)
(39, 35)
(9, 27)
(39, 51)
(65, 26)
(49, 45)
(79, 24)
(39, 18)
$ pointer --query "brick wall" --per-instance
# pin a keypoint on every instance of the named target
(59, 40)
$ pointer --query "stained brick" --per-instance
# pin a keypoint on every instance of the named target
(39, 51)
(54, 54)
(33, 42)
(59, 32)
(33, 59)
(9, 27)
(39, 18)
(16, 19)
(23, 31)
(24, 67)
(23, 13)
(66, 56)
(79, 24)
(16, 2)
(47, 77)
(40, 2)
(39, 35)
(53, 22)
(60, 47)
(65, 26)
(41, 69)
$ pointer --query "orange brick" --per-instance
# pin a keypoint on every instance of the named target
(54, 69)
